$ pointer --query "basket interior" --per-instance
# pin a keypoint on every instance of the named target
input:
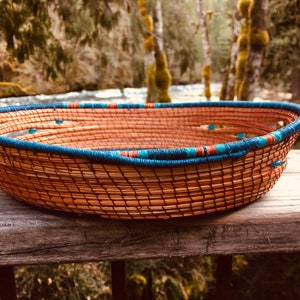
(151, 128)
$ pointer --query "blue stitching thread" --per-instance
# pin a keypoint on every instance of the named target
(160, 157)
(278, 163)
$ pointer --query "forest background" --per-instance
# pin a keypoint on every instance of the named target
(60, 46)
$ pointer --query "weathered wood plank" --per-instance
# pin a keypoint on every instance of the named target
(272, 224)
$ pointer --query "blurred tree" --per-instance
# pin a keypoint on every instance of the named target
(220, 28)
(137, 53)
(26, 27)
(158, 74)
(230, 76)
(258, 39)
(91, 44)
(98, 37)
(243, 7)
(206, 70)
(162, 74)
(281, 65)
(183, 44)
(152, 91)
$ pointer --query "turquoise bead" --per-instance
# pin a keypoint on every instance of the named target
(32, 130)
(241, 135)
(59, 121)
(278, 163)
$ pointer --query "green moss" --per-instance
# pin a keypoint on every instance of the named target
(241, 84)
(223, 92)
(251, 39)
(237, 86)
(206, 72)
(243, 7)
(241, 64)
(142, 3)
(149, 43)
(150, 74)
(149, 22)
(143, 11)
(243, 90)
(158, 75)
(142, 7)
(152, 91)
(240, 70)
(161, 60)
(259, 39)
(162, 77)
(158, 80)
(206, 77)
(207, 92)
(243, 42)
(164, 97)
(162, 74)
(136, 285)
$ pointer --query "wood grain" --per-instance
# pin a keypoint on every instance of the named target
(272, 224)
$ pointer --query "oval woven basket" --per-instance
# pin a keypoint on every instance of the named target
(144, 161)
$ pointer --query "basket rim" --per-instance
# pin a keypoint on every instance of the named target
(160, 157)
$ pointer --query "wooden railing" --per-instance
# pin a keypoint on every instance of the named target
(32, 236)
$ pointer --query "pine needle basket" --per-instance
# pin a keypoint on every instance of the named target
(145, 161)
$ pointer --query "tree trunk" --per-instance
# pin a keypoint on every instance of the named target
(158, 27)
(243, 7)
(258, 40)
(158, 75)
(230, 93)
(149, 50)
(206, 70)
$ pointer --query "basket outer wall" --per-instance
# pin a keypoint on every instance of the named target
(131, 192)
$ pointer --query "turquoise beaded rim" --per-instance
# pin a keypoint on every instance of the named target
(160, 157)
